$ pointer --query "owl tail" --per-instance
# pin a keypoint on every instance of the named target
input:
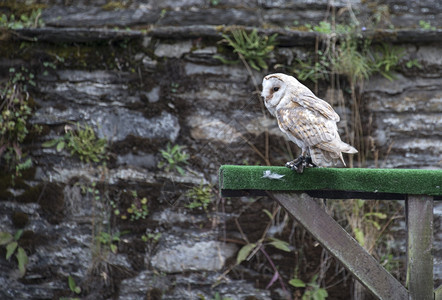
(327, 154)
(346, 148)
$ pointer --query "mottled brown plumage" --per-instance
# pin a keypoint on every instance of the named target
(307, 121)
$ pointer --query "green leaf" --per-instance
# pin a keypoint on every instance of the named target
(359, 236)
(180, 170)
(225, 60)
(22, 259)
(77, 290)
(268, 213)
(114, 248)
(297, 282)
(261, 63)
(253, 65)
(5, 237)
(71, 283)
(313, 280)
(18, 234)
(378, 215)
(244, 252)
(279, 244)
(60, 146)
(10, 248)
(73, 286)
(322, 293)
(375, 224)
(24, 165)
(50, 143)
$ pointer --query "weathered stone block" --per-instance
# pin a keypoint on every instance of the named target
(192, 256)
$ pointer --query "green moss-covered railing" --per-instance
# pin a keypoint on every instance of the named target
(332, 182)
(419, 188)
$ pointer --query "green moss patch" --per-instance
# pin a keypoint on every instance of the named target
(397, 181)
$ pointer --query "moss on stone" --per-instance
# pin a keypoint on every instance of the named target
(31, 194)
(50, 197)
(20, 219)
(115, 5)
(52, 202)
(19, 9)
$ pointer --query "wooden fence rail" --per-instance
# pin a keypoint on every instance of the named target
(296, 193)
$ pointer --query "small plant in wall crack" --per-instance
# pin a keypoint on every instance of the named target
(73, 286)
(11, 243)
(81, 141)
(90, 189)
(137, 210)
(110, 240)
(201, 196)
(31, 20)
(173, 158)
(154, 237)
(426, 25)
(174, 86)
(15, 112)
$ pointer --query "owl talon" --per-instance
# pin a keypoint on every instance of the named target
(297, 165)
(309, 162)
(300, 164)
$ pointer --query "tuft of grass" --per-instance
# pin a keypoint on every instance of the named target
(311, 70)
(254, 48)
(352, 61)
(356, 59)
(386, 59)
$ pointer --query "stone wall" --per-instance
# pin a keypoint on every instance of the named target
(159, 83)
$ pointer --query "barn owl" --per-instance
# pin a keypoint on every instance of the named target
(307, 121)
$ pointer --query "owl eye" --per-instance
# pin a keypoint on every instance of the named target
(276, 88)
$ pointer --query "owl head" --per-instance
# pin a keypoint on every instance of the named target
(275, 87)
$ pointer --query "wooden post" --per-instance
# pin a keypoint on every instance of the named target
(419, 217)
(438, 293)
(343, 246)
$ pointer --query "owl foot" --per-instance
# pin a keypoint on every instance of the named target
(300, 164)
(309, 162)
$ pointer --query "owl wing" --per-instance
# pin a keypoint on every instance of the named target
(307, 126)
(308, 100)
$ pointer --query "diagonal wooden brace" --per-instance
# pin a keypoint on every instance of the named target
(342, 246)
